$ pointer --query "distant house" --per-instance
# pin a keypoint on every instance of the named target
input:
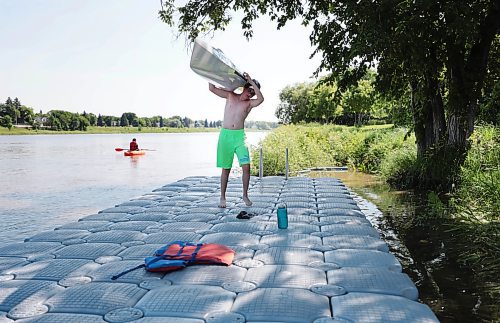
(42, 121)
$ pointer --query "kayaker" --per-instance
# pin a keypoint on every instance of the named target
(133, 145)
(232, 135)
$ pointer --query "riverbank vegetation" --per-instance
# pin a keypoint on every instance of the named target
(102, 130)
(14, 115)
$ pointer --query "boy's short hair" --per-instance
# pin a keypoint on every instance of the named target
(247, 85)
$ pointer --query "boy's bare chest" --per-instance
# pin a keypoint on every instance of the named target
(237, 106)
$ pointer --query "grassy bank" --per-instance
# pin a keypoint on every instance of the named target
(103, 130)
(474, 206)
(327, 145)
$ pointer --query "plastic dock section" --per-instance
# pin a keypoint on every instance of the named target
(329, 265)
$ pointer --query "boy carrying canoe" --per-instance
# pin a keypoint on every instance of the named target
(232, 135)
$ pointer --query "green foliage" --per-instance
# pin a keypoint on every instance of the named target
(326, 145)
(126, 119)
(6, 121)
(260, 125)
(480, 177)
(359, 101)
(437, 170)
(489, 108)
(19, 114)
(398, 168)
(174, 122)
(92, 118)
(472, 211)
(323, 103)
(67, 121)
(382, 143)
(475, 204)
(295, 103)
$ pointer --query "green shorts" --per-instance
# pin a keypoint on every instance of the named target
(232, 142)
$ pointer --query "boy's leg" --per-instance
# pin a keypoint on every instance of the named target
(224, 177)
(246, 180)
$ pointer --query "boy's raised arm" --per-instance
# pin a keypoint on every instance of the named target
(219, 92)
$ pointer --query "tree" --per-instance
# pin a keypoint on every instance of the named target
(437, 50)
(91, 118)
(489, 108)
(26, 115)
(10, 109)
(131, 118)
(111, 121)
(100, 122)
(64, 120)
(83, 123)
(323, 103)
(17, 107)
(359, 101)
(124, 122)
(295, 103)
(173, 122)
(187, 122)
(6, 121)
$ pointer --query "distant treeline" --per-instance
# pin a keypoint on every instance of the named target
(13, 113)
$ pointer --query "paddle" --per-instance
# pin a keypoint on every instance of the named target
(122, 149)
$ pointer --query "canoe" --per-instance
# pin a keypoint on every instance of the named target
(214, 66)
(134, 152)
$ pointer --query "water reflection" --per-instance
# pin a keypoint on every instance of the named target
(134, 160)
(424, 250)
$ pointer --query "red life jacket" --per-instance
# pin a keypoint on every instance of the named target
(134, 146)
(180, 254)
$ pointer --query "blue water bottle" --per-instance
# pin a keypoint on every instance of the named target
(282, 216)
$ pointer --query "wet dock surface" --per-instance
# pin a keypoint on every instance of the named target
(329, 265)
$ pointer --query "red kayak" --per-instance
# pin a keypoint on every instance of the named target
(134, 152)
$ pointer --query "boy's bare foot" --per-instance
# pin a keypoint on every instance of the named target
(222, 203)
(247, 201)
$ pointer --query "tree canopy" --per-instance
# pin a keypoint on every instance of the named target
(437, 50)
(324, 103)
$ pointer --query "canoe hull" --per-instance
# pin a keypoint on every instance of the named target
(211, 64)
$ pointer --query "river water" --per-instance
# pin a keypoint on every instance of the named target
(426, 251)
(49, 180)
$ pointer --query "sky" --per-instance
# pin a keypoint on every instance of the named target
(114, 56)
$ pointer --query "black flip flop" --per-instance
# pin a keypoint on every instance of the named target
(243, 215)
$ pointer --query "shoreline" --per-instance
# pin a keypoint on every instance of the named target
(111, 130)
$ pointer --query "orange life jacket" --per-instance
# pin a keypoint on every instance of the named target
(179, 254)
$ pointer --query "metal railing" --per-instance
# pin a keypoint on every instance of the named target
(261, 164)
(299, 173)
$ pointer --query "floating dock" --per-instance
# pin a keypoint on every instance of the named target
(329, 265)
